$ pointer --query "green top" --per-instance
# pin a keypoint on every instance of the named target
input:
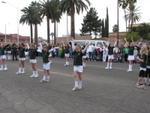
(45, 55)
(21, 52)
(2, 51)
(126, 50)
(32, 53)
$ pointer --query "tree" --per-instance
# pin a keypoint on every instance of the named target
(133, 15)
(36, 17)
(26, 18)
(56, 14)
(46, 11)
(91, 23)
(124, 4)
(143, 30)
(133, 36)
(71, 7)
(115, 28)
(107, 24)
(103, 29)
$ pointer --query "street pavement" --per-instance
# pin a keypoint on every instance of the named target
(105, 91)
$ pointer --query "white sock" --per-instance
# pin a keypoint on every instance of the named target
(19, 70)
(80, 83)
(44, 78)
(107, 64)
(130, 67)
(111, 65)
(67, 63)
(76, 83)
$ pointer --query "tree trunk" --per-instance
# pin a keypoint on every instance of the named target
(48, 30)
(131, 23)
(126, 19)
(73, 26)
(54, 33)
(36, 34)
(31, 33)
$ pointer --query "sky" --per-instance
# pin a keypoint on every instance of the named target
(10, 15)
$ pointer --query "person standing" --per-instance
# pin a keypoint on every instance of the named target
(14, 52)
(22, 58)
(46, 64)
(143, 61)
(126, 52)
(131, 57)
(105, 53)
(33, 61)
(66, 50)
(110, 57)
(77, 68)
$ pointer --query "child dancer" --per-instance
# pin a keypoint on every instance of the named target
(46, 64)
(3, 65)
(142, 74)
(21, 54)
(131, 56)
(110, 57)
(78, 68)
(33, 61)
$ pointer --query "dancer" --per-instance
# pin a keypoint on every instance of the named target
(33, 61)
(131, 57)
(78, 68)
(46, 64)
(21, 54)
(143, 60)
(110, 57)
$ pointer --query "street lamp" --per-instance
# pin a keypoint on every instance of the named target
(17, 20)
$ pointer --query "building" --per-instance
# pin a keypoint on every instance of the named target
(13, 38)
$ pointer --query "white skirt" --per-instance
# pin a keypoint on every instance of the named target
(33, 61)
(67, 55)
(47, 66)
(78, 69)
(22, 59)
(131, 57)
(110, 57)
(3, 57)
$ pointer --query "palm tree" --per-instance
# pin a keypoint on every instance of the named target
(26, 18)
(36, 18)
(124, 4)
(73, 6)
(56, 15)
(46, 11)
(133, 15)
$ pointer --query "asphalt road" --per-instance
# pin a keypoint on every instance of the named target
(105, 91)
